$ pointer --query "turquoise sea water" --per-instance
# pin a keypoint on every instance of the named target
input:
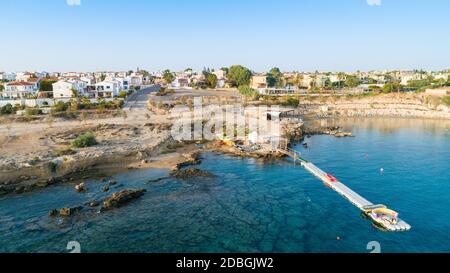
(253, 206)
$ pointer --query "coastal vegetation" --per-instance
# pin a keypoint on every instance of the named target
(63, 151)
(446, 100)
(33, 111)
(8, 109)
(74, 108)
(248, 92)
(84, 140)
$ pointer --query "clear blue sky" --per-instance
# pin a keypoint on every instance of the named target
(307, 35)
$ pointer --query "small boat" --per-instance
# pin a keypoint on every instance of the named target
(331, 178)
(384, 216)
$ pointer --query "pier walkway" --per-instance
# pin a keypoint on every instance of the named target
(360, 202)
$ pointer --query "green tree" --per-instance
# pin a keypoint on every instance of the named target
(392, 87)
(212, 80)
(144, 73)
(226, 69)
(46, 85)
(74, 93)
(2, 87)
(8, 109)
(168, 76)
(239, 76)
(352, 81)
(275, 78)
(341, 77)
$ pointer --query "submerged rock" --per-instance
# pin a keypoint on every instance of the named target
(105, 189)
(189, 173)
(69, 211)
(120, 198)
(92, 204)
(53, 213)
(80, 187)
(64, 211)
(343, 134)
(19, 190)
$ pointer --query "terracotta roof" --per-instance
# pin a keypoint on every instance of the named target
(20, 84)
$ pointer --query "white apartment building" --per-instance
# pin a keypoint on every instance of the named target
(65, 89)
(107, 89)
(17, 90)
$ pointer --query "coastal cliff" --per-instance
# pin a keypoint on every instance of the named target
(386, 105)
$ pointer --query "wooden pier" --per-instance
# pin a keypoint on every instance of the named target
(354, 198)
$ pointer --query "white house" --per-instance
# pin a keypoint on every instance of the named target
(220, 74)
(405, 78)
(19, 90)
(64, 89)
(41, 75)
(24, 76)
(136, 80)
(180, 83)
(88, 80)
(124, 83)
(107, 89)
(8, 76)
(221, 83)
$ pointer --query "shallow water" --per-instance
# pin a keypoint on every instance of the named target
(255, 207)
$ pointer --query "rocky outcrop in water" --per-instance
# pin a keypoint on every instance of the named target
(190, 159)
(80, 187)
(118, 199)
(332, 131)
(92, 204)
(190, 173)
(65, 212)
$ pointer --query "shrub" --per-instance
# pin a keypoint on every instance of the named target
(122, 94)
(247, 91)
(33, 112)
(446, 100)
(63, 151)
(85, 140)
(291, 101)
(7, 110)
(60, 107)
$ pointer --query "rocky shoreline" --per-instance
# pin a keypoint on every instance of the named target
(148, 144)
(119, 147)
(384, 105)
